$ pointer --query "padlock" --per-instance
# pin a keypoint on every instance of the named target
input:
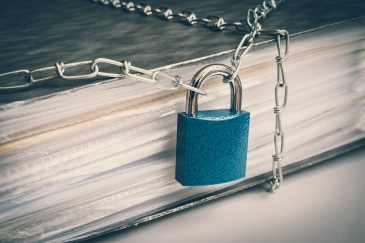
(212, 144)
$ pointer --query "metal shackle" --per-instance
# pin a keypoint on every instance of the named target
(206, 73)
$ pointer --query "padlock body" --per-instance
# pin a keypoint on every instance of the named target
(211, 147)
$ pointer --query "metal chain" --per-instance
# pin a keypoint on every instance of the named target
(278, 109)
(125, 70)
(187, 17)
(254, 29)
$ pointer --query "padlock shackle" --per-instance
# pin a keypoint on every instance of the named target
(206, 73)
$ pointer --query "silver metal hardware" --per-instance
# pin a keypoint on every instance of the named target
(254, 28)
(28, 79)
(108, 61)
(144, 8)
(125, 68)
(206, 73)
(61, 67)
(43, 70)
(218, 25)
(279, 106)
(246, 43)
(237, 58)
(165, 12)
(188, 17)
(176, 82)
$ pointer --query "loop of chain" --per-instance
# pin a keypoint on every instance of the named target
(279, 108)
(125, 70)
(61, 67)
(188, 17)
(28, 79)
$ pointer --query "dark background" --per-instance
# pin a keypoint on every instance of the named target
(36, 34)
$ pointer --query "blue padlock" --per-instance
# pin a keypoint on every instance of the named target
(212, 144)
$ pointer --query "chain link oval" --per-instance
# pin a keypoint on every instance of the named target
(107, 61)
(47, 69)
(218, 24)
(27, 78)
(61, 68)
(164, 12)
(188, 17)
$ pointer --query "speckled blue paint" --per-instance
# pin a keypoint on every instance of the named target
(211, 147)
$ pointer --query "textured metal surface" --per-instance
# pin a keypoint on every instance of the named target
(211, 147)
